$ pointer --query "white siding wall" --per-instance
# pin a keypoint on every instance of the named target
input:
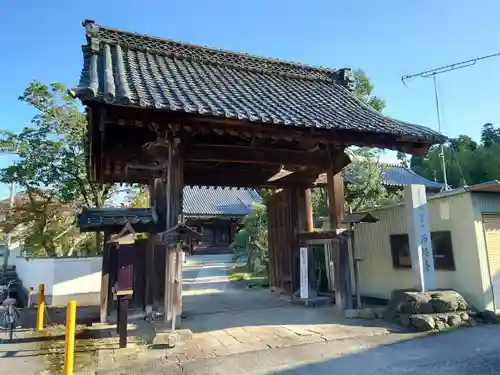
(484, 203)
(455, 213)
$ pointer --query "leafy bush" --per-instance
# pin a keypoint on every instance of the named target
(251, 240)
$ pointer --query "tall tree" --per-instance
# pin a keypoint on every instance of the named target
(368, 190)
(467, 162)
(490, 135)
(364, 91)
(52, 154)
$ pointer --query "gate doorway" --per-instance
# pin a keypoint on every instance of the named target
(169, 114)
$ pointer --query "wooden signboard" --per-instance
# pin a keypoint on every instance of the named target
(123, 288)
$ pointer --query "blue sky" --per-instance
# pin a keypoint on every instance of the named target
(387, 38)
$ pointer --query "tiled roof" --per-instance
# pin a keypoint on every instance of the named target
(218, 201)
(399, 176)
(136, 70)
(197, 201)
(394, 175)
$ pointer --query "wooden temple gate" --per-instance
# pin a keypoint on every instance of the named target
(168, 114)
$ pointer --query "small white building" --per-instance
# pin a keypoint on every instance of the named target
(465, 231)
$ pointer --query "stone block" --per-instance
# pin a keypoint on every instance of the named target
(380, 312)
(444, 304)
(423, 322)
(440, 325)
(454, 320)
(454, 295)
(442, 317)
(405, 320)
(464, 316)
(367, 313)
(351, 313)
(165, 339)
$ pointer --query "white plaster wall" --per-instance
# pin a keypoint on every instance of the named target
(33, 272)
(61, 276)
(77, 275)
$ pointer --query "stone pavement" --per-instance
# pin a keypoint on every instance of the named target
(228, 333)
(466, 351)
(22, 356)
(227, 319)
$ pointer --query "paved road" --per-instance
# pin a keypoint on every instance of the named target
(466, 351)
(463, 352)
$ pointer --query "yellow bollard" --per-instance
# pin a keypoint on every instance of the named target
(69, 354)
(40, 314)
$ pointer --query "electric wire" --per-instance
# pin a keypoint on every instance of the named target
(432, 73)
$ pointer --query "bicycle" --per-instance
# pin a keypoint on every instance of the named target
(10, 313)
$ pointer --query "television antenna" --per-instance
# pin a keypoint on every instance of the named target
(432, 73)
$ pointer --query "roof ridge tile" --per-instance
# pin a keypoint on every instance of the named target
(97, 34)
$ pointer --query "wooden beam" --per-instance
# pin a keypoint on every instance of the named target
(256, 155)
(244, 178)
(144, 117)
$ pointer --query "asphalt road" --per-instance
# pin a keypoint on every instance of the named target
(467, 351)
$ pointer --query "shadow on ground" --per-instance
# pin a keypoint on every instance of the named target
(211, 302)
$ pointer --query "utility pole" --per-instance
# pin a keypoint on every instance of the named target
(432, 73)
(6, 253)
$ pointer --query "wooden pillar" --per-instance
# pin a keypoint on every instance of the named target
(173, 275)
(336, 201)
(309, 211)
(122, 320)
(157, 262)
(150, 262)
(150, 272)
(105, 280)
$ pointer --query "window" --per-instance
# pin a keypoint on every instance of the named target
(441, 248)
(400, 249)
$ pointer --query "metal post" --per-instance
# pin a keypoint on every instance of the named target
(6, 253)
(441, 154)
(69, 353)
(30, 297)
(40, 308)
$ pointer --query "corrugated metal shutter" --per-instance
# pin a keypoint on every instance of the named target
(491, 224)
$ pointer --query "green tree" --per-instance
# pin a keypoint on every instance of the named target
(252, 239)
(364, 91)
(138, 196)
(51, 169)
(489, 135)
(45, 227)
(365, 190)
(366, 171)
(467, 162)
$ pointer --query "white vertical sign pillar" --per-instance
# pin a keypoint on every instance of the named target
(304, 273)
(417, 218)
